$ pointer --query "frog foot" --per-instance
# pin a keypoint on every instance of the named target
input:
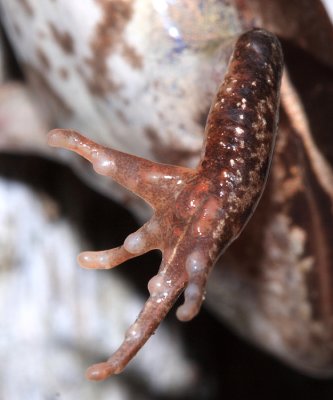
(178, 196)
(197, 212)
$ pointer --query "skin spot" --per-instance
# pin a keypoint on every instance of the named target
(108, 34)
(134, 59)
(122, 116)
(63, 73)
(43, 59)
(64, 39)
(26, 7)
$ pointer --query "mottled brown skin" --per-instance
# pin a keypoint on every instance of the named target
(241, 126)
(198, 212)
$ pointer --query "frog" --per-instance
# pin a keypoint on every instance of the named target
(146, 88)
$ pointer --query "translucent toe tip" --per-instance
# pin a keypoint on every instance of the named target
(99, 372)
(185, 313)
(93, 260)
(53, 137)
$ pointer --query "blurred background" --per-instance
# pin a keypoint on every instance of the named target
(56, 319)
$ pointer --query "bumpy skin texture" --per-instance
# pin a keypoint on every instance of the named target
(198, 212)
